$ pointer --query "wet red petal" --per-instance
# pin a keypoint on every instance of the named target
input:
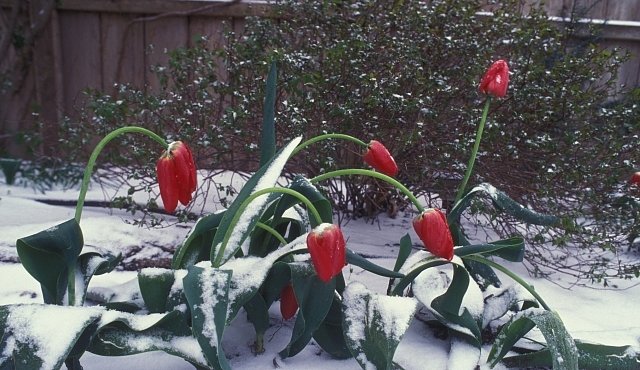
(432, 228)
(166, 172)
(378, 157)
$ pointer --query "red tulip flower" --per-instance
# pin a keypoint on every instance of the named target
(432, 228)
(288, 302)
(378, 157)
(176, 173)
(328, 250)
(496, 79)
(635, 179)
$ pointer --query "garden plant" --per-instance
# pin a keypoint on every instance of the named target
(282, 243)
(562, 142)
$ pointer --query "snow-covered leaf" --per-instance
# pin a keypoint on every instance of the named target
(592, 357)
(207, 292)
(265, 177)
(374, 324)
(503, 203)
(28, 341)
(453, 298)
(562, 348)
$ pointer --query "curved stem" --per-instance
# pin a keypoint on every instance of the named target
(474, 152)
(245, 204)
(272, 231)
(328, 136)
(94, 155)
(512, 275)
(377, 175)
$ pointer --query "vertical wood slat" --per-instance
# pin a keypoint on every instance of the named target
(164, 35)
(81, 60)
(48, 78)
(123, 46)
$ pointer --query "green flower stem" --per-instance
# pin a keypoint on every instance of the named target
(272, 231)
(251, 198)
(327, 136)
(94, 155)
(377, 175)
(512, 275)
(474, 152)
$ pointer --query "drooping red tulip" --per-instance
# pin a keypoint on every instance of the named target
(635, 179)
(496, 79)
(378, 157)
(288, 302)
(327, 248)
(433, 229)
(176, 173)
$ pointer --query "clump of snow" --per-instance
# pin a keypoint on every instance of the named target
(34, 325)
(463, 356)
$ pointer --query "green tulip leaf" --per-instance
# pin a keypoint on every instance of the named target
(263, 243)
(562, 348)
(250, 272)
(264, 178)
(10, 167)
(511, 249)
(307, 189)
(456, 302)
(413, 267)
(357, 260)
(155, 288)
(197, 245)
(592, 356)
(27, 329)
(124, 297)
(314, 298)
(268, 137)
(207, 293)
(90, 264)
(329, 335)
(503, 203)
(48, 256)
(404, 252)
(124, 334)
(374, 324)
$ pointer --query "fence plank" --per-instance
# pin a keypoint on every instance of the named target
(123, 48)
(81, 60)
(162, 36)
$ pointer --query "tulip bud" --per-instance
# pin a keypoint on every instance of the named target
(176, 173)
(288, 302)
(378, 157)
(432, 228)
(635, 179)
(496, 79)
(327, 248)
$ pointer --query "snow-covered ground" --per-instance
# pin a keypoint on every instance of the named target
(589, 313)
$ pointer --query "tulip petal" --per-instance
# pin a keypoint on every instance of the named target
(378, 157)
(166, 172)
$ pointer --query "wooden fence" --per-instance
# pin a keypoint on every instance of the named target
(95, 43)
